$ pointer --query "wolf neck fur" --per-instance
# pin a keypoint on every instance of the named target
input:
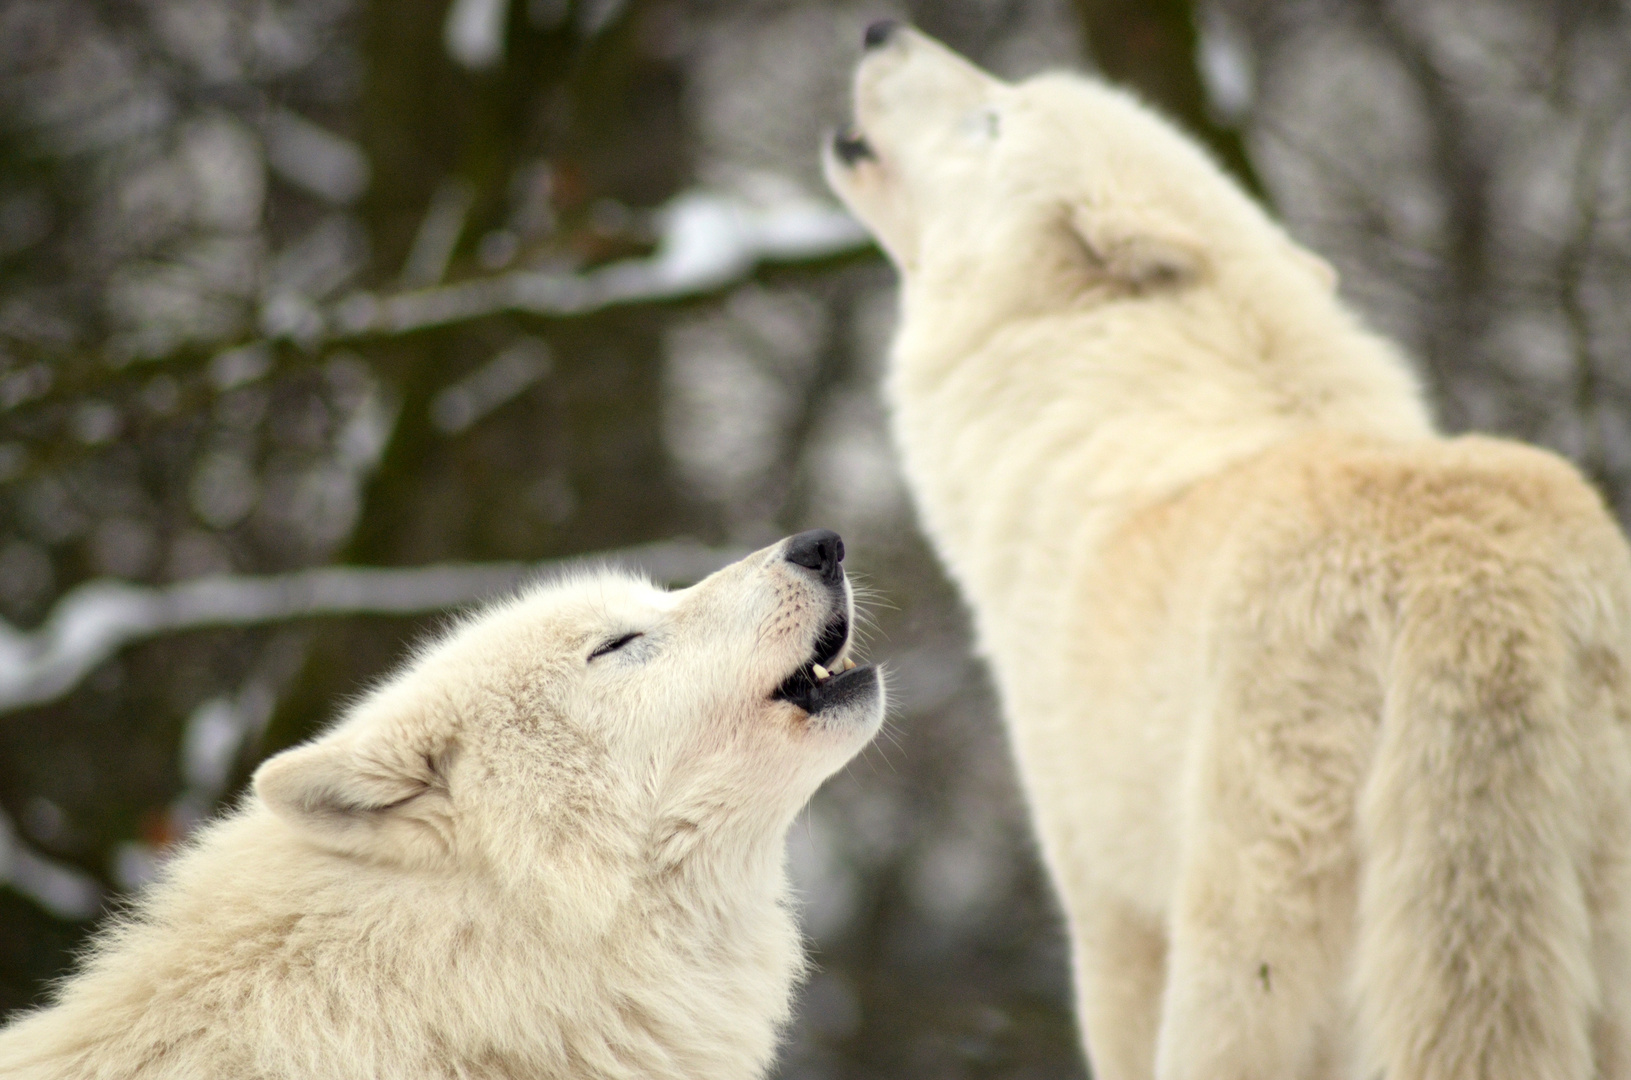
(1072, 421)
(502, 951)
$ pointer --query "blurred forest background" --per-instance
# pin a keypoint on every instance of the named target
(318, 317)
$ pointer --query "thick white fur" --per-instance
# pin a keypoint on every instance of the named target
(1322, 716)
(508, 861)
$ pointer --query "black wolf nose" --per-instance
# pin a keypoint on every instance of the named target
(879, 33)
(820, 550)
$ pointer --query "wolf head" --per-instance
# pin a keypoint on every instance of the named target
(1053, 192)
(597, 729)
(1063, 246)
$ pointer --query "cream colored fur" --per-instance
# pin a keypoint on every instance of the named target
(509, 861)
(1322, 716)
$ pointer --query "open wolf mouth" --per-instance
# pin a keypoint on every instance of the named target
(850, 146)
(813, 686)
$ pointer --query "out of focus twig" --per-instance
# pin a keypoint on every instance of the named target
(707, 240)
(97, 619)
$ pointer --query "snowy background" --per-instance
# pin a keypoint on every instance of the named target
(320, 317)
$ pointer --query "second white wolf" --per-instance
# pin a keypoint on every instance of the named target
(1323, 717)
(553, 847)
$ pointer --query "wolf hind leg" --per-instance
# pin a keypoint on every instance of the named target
(1481, 823)
(1610, 903)
(1263, 920)
(1257, 970)
(1119, 963)
(1608, 900)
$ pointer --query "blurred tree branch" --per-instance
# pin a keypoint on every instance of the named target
(97, 619)
(707, 241)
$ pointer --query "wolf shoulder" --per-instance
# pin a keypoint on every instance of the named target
(1362, 517)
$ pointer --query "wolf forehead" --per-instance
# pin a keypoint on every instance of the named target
(557, 627)
(957, 172)
(575, 608)
(550, 624)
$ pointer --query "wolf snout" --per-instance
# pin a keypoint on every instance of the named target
(821, 550)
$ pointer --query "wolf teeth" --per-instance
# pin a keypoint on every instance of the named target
(820, 672)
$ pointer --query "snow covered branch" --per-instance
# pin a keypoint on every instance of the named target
(97, 619)
(707, 240)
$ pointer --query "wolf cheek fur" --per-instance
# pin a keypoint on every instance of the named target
(1321, 716)
(551, 847)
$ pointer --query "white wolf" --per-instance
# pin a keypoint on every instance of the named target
(552, 847)
(1322, 717)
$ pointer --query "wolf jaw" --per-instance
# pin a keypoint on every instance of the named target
(827, 678)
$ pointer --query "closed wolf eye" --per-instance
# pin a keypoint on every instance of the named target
(614, 644)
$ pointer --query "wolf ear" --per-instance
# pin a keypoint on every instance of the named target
(1137, 246)
(378, 791)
